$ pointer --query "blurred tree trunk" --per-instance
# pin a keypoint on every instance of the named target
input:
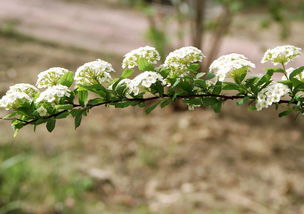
(198, 7)
(223, 26)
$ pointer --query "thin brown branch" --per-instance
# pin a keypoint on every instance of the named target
(223, 97)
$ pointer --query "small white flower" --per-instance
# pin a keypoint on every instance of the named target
(271, 94)
(178, 60)
(281, 54)
(42, 111)
(14, 100)
(29, 89)
(228, 66)
(148, 53)
(96, 72)
(143, 81)
(50, 77)
(53, 94)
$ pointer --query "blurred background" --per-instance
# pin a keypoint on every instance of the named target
(123, 161)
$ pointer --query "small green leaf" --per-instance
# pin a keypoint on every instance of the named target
(50, 125)
(77, 120)
(16, 131)
(217, 107)
(242, 101)
(274, 70)
(83, 97)
(199, 75)
(10, 115)
(252, 108)
(95, 101)
(285, 113)
(151, 108)
(209, 101)
(239, 76)
(127, 73)
(97, 89)
(210, 76)
(217, 88)
(64, 107)
(67, 79)
(165, 102)
(63, 115)
(296, 72)
(230, 86)
(144, 65)
(194, 67)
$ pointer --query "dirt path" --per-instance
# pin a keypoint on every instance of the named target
(99, 28)
(79, 25)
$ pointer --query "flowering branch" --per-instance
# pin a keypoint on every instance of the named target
(177, 78)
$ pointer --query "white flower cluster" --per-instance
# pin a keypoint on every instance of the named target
(14, 100)
(143, 81)
(50, 77)
(148, 53)
(271, 94)
(29, 89)
(281, 54)
(53, 94)
(229, 65)
(178, 60)
(95, 72)
(17, 95)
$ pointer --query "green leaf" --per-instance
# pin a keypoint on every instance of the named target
(95, 101)
(10, 115)
(176, 82)
(97, 89)
(239, 77)
(296, 72)
(186, 86)
(199, 75)
(242, 101)
(217, 107)
(165, 102)
(16, 131)
(157, 88)
(194, 67)
(217, 88)
(230, 86)
(83, 97)
(209, 101)
(125, 104)
(64, 107)
(151, 108)
(50, 125)
(264, 79)
(127, 73)
(285, 113)
(252, 108)
(77, 114)
(67, 79)
(144, 65)
(286, 82)
(275, 70)
(77, 120)
(210, 76)
(201, 83)
(63, 115)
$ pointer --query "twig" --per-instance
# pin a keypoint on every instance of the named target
(224, 97)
